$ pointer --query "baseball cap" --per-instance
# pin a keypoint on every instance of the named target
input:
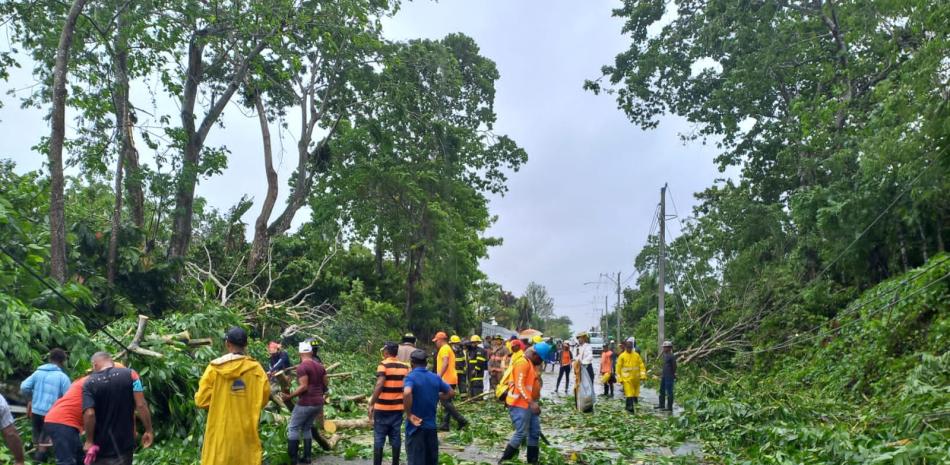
(418, 355)
(440, 335)
(236, 336)
(304, 347)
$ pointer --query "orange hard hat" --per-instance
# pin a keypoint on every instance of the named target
(440, 335)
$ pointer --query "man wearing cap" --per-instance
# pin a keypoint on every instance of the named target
(406, 347)
(422, 391)
(386, 405)
(584, 374)
(234, 390)
(279, 360)
(445, 368)
(477, 364)
(631, 370)
(522, 401)
(667, 378)
(496, 361)
(312, 384)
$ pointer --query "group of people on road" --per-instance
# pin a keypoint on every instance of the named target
(234, 388)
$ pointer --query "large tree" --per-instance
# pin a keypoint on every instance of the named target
(412, 167)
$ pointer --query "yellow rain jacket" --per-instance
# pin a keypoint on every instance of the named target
(630, 370)
(234, 389)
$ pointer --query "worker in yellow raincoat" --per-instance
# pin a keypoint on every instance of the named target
(234, 389)
(630, 370)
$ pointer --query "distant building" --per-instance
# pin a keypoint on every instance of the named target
(490, 330)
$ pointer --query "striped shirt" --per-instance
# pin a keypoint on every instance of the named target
(390, 398)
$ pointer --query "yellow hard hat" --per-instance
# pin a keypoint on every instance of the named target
(475, 338)
(455, 339)
(537, 339)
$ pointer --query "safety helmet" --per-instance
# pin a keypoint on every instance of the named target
(476, 338)
(455, 339)
(537, 339)
(667, 344)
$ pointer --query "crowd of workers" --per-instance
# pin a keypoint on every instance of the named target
(235, 388)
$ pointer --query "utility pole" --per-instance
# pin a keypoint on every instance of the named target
(619, 307)
(606, 312)
(661, 269)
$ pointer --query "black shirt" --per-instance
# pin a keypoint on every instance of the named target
(279, 361)
(110, 393)
(669, 365)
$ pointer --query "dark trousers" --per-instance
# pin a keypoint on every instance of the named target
(451, 413)
(476, 386)
(609, 387)
(386, 424)
(566, 373)
(66, 443)
(39, 437)
(423, 447)
(666, 393)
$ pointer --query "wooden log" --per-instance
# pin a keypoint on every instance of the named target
(333, 440)
(346, 424)
(333, 366)
(345, 374)
(205, 341)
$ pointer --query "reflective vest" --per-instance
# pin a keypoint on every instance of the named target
(523, 385)
(390, 398)
(476, 364)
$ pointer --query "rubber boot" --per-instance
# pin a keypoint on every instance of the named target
(630, 404)
(396, 451)
(377, 456)
(534, 453)
(293, 450)
(307, 450)
(510, 453)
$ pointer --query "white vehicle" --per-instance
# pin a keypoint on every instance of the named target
(596, 344)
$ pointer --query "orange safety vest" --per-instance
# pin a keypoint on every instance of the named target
(524, 384)
(390, 399)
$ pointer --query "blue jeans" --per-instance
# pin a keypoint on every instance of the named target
(666, 393)
(301, 421)
(387, 424)
(423, 447)
(66, 443)
(526, 424)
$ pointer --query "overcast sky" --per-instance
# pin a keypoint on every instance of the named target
(581, 206)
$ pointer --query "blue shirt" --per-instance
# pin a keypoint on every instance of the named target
(47, 384)
(426, 387)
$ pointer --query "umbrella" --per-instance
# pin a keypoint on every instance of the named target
(529, 333)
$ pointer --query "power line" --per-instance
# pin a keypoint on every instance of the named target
(685, 239)
(824, 270)
(55, 291)
(849, 311)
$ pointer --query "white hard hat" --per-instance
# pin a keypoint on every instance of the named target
(667, 344)
(304, 348)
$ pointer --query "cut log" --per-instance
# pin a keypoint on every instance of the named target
(356, 398)
(205, 341)
(333, 366)
(355, 423)
(134, 346)
(345, 374)
(333, 440)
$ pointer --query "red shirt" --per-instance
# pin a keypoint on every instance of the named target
(314, 372)
(67, 410)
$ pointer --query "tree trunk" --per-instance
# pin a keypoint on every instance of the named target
(123, 121)
(378, 251)
(195, 135)
(57, 207)
(116, 222)
(414, 260)
(133, 183)
(261, 236)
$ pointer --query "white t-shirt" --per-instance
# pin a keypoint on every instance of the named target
(6, 418)
(585, 354)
